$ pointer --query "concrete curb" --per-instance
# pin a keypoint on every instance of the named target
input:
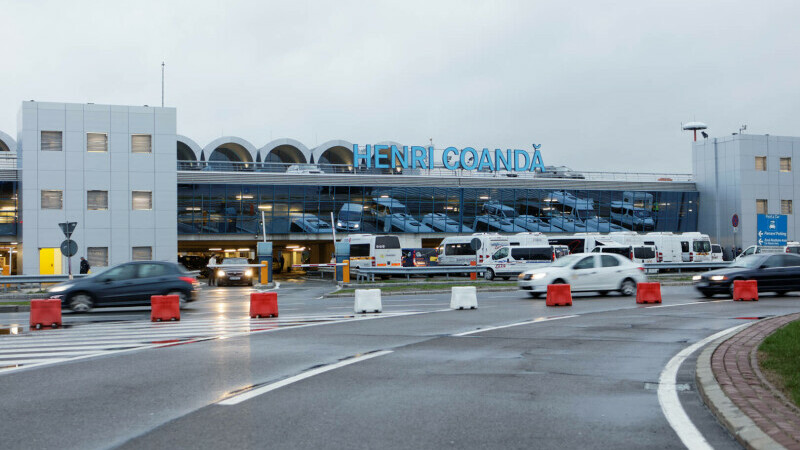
(426, 291)
(14, 308)
(735, 421)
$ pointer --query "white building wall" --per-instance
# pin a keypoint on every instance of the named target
(75, 171)
(738, 185)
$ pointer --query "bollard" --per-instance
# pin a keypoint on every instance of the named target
(473, 275)
(559, 295)
(367, 300)
(45, 313)
(648, 293)
(745, 290)
(263, 304)
(346, 271)
(463, 297)
(165, 307)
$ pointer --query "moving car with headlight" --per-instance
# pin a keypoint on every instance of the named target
(776, 272)
(128, 284)
(600, 273)
(234, 271)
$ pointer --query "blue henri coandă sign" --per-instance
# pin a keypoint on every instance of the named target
(467, 158)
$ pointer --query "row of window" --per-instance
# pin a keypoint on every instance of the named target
(762, 206)
(53, 141)
(97, 200)
(98, 256)
(785, 165)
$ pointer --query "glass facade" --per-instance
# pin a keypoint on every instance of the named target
(236, 209)
(9, 208)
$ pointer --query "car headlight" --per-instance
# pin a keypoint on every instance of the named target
(538, 276)
(220, 273)
(248, 273)
(719, 278)
(60, 288)
(697, 278)
(355, 226)
(338, 224)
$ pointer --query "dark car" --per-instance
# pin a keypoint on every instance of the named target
(128, 284)
(232, 271)
(420, 257)
(777, 272)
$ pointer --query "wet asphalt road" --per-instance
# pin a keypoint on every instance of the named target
(587, 381)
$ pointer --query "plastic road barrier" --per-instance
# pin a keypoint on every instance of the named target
(745, 290)
(648, 293)
(463, 297)
(559, 295)
(264, 304)
(45, 313)
(368, 300)
(165, 307)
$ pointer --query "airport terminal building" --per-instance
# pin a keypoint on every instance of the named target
(139, 190)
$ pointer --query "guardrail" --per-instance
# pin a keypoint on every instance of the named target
(689, 265)
(35, 279)
(368, 273)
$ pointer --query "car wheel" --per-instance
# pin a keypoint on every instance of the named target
(488, 275)
(80, 303)
(707, 294)
(558, 281)
(183, 298)
(506, 278)
(627, 288)
(535, 294)
(780, 293)
(603, 293)
(730, 288)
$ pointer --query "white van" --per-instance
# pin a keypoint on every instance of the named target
(349, 217)
(393, 215)
(511, 261)
(529, 239)
(308, 223)
(790, 247)
(700, 247)
(370, 250)
(443, 222)
(462, 250)
(642, 254)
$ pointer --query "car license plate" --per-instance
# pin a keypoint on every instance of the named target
(235, 278)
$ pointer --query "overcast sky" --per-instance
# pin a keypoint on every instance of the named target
(601, 85)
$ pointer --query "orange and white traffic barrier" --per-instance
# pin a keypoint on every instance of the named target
(263, 304)
(745, 290)
(165, 307)
(45, 313)
(559, 295)
(648, 293)
(463, 297)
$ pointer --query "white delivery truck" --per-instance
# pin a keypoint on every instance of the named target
(371, 250)
(528, 239)
(699, 247)
(511, 261)
(462, 250)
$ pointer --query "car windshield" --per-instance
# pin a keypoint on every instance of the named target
(567, 260)
(749, 261)
(702, 246)
(508, 212)
(235, 261)
(642, 214)
(350, 216)
(399, 210)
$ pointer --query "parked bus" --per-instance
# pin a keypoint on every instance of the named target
(370, 250)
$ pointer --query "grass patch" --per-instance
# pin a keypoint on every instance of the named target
(19, 303)
(780, 354)
(432, 287)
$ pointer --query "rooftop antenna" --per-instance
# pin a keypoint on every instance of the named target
(694, 126)
(162, 84)
(742, 128)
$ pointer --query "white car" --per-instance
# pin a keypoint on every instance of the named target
(303, 169)
(584, 272)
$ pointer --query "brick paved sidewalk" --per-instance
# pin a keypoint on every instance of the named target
(734, 364)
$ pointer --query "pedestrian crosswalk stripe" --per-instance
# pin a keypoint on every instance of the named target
(81, 341)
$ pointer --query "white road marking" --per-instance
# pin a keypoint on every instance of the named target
(236, 399)
(668, 395)
(537, 320)
(690, 303)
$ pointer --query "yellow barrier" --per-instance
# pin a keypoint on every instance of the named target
(346, 271)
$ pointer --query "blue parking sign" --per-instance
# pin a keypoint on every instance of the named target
(772, 230)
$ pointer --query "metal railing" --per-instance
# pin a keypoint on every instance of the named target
(437, 171)
(35, 279)
(9, 161)
(368, 273)
(694, 266)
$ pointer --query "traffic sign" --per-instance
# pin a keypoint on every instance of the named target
(735, 220)
(68, 228)
(69, 248)
(771, 230)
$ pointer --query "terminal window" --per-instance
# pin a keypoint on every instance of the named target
(96, 200)
(786, 207)
(141, 143)
(142, 253)
(142, 200)
(51, 141)
(786, 164)
(52, 199)
(761, 206)
(761, 163)
(97, 142)
(97, 256)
